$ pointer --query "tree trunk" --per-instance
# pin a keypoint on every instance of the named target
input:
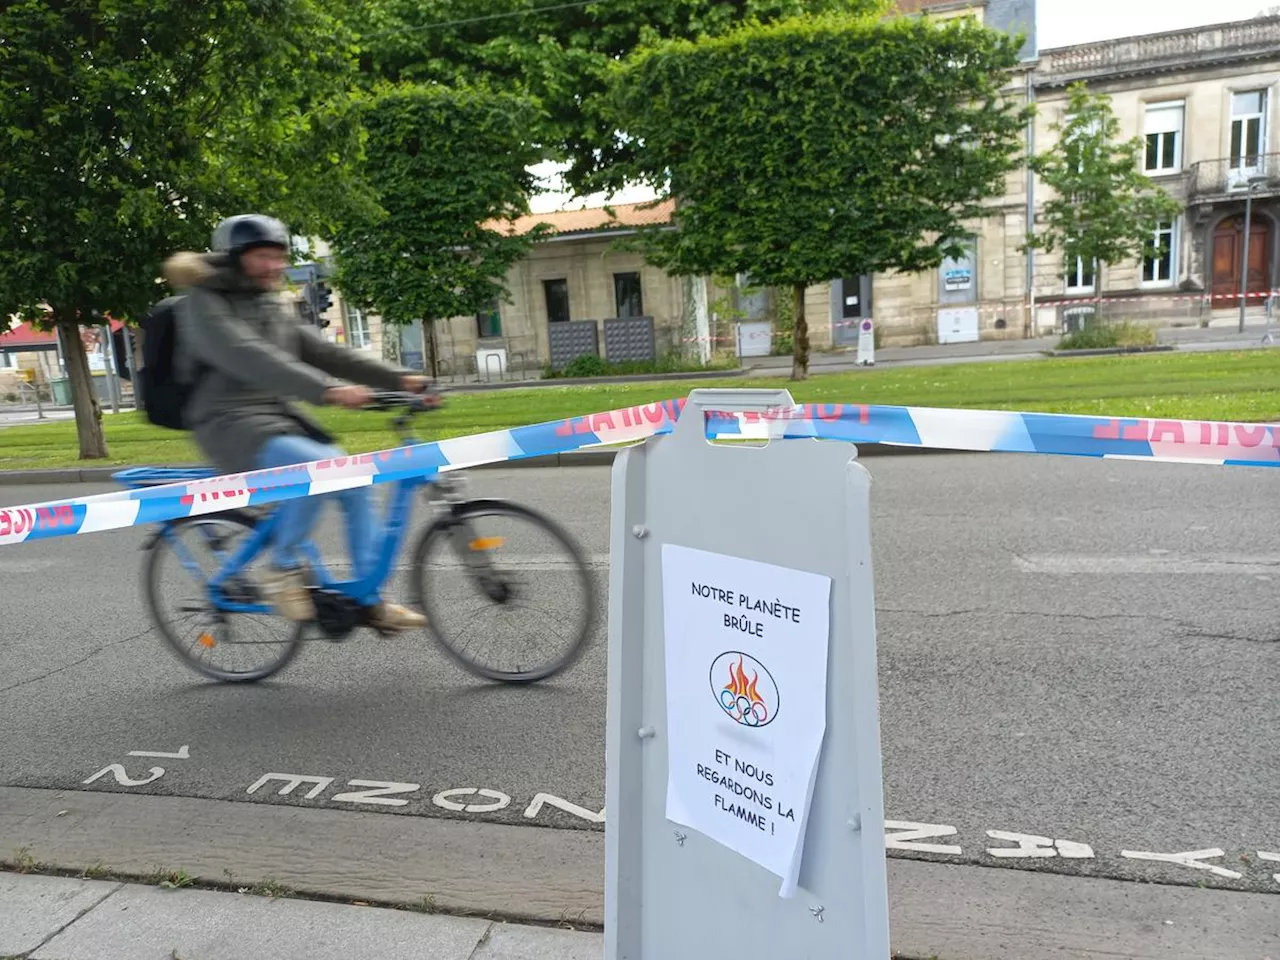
(429, 331)
(93, 444)
(800, 335)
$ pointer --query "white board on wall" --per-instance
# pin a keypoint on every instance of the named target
(958, 325)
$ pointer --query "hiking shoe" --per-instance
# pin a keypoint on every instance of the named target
(392, 616)
(287, 592)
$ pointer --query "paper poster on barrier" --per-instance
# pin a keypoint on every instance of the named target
(746, 667)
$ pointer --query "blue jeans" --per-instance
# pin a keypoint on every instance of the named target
(295, 518)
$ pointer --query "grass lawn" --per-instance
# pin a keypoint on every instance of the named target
(1242, 386)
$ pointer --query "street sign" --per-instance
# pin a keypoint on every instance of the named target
(866, 343)
(743, 771)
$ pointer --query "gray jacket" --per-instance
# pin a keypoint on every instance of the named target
(250, 353)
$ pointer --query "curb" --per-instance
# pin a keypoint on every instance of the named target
(1112, 351)
(588, 381)
(574, 458)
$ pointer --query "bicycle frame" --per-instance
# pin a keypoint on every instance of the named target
(389, 538)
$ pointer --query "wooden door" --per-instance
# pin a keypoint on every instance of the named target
(1228, 249)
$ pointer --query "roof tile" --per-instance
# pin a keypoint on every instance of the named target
(593, 219)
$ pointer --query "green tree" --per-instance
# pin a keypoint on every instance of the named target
(130, 126)
(1103, 209)
(449, 170)
(819, 147)
(557, 53)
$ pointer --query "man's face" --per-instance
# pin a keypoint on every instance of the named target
(265, 266)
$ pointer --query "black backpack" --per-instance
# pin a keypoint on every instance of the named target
(164, 395)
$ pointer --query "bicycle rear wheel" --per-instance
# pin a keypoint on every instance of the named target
(506, 591)
(224, 646)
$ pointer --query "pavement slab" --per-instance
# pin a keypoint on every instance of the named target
(148, 923)
(34, 909)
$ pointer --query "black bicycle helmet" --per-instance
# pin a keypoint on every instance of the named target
(235, 235)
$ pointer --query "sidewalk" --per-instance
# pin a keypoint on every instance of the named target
(57, 918)
(1219, 335)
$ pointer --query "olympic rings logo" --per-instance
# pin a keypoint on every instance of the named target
(744, 689)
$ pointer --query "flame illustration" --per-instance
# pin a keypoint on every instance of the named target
(740, 686)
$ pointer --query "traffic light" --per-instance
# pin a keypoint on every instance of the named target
(324, 298)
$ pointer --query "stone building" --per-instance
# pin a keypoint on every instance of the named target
(1203, 103)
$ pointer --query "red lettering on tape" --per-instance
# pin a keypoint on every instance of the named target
(1250, 436)
(50, 518)
(1141, 430)
(1171, 427)
(601, 421)
(1110, 432)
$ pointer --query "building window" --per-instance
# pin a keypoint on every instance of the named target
(1248, 129)
(1164, 137)
(1160, 266)
(1081, 276)
(357, 328)
(6, 360)
(626, 295)
(489, 321)
(557, 294)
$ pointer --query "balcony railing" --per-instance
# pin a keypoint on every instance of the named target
(1161, 51)
(1227, 177)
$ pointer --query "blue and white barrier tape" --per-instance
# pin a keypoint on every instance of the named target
(1179, 441)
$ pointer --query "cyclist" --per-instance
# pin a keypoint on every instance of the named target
(245, 350)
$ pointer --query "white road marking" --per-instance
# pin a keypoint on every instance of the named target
(548, 800)
(1146, 565)
(122, 777)
(1030, 845)
(909, 832)
(292, 782)
(14, 568)
(899, 834)
(1271, 858)
(184, 753)
(376, 793)
(500, 800)
(504, 562)
(1192, 858)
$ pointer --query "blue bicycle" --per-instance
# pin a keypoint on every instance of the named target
(475, 558)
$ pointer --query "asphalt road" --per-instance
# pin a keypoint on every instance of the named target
(1080, 651)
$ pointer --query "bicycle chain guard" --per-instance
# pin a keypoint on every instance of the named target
(336, 613)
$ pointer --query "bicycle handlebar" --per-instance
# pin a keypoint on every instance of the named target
(410, 402)
(409, 405)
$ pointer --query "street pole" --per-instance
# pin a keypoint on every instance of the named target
(1244, 265)
(109, 365)
(133, 369)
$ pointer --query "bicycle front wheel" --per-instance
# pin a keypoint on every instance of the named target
(506, 591)
(219, 644)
